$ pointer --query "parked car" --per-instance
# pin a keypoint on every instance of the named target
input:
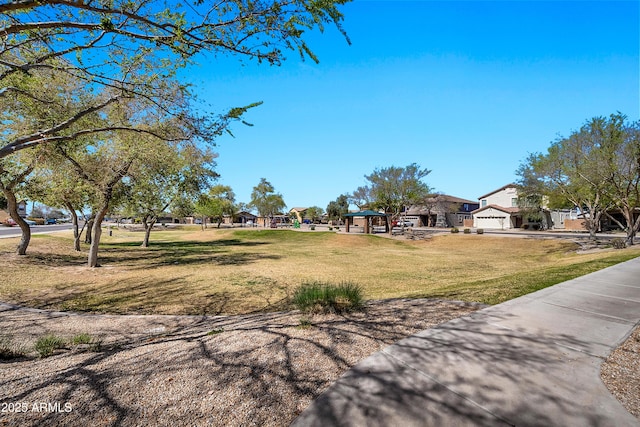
(50, 221)
(404, 224)
(9, 222)
(30, 222)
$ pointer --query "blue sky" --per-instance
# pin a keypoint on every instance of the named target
(464, 88)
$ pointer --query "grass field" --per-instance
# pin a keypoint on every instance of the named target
(189, 271)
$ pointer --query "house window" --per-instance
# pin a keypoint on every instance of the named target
(483, 202)
(465, 207)
(514, 202)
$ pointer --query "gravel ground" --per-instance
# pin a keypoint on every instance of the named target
(261, 369)
(621, 373)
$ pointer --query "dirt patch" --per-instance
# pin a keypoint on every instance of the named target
(261, 369)
(621, 373)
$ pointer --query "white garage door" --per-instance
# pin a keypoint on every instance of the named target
(492, 222)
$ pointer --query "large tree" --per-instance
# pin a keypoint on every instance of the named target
(266, 201)
(620, 143)
(123, 49)
(314, 213)
(337, 208)
(595, 169)
(215, 204)
(170, 173)
(393, 189)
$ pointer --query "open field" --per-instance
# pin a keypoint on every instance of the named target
(189, 271)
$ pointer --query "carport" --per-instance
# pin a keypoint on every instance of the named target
(366, 214)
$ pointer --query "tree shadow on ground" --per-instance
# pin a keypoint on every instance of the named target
(238, 370)
(464, 373)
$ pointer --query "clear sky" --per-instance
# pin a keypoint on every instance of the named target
(464, 88)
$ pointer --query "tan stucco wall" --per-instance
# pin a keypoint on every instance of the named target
(574, 224)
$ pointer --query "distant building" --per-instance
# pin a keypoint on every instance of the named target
(441, 210)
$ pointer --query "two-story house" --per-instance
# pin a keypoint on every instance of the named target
(499, 209)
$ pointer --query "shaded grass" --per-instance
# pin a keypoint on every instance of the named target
(190, 271)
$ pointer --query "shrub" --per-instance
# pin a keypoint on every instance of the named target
(47, 345)
(313, 227)
(618, 243)
(82, 338)
(480, 231)
(321, 297)
(467, 231)
(455, 230)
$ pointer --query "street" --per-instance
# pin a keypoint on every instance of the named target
(35, 229)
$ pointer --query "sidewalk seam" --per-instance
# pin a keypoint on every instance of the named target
(424, 374)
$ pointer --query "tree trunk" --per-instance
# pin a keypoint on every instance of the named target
(12, 207)
(88, 235)
(148, 226)
(96, 232)
(632, 226)
(74, 222)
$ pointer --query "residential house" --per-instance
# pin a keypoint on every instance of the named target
(298, 213)
(441, 210)
(499, 209)
(242, 217)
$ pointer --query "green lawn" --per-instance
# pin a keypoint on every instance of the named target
(189, 271)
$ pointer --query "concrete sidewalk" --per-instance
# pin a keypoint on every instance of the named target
(532, 361)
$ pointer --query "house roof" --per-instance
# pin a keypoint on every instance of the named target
(298, 209)
(453, 199)
(512, 210)
(420, 209)
(365, 213)
(499, 189)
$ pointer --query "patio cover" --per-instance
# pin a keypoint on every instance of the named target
(366, 214)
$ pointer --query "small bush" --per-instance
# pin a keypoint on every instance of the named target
(320, 297)
(455, 230)
(313, 227)
(330, 228)
(81, 339)
(87, 342)
(480, 231)
(47, 345)
(467, 231)
(618, 243)
(216, 331)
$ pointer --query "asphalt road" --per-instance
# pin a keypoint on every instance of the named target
(35, 229)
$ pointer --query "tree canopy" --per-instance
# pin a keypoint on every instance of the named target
(596, 169)
(121, 49)
(393, 189)
(338, 207)
(266, 201)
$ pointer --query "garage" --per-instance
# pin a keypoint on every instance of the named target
(492, 217)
